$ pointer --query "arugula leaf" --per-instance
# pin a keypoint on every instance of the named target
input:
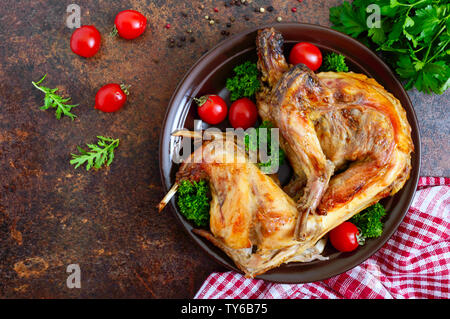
(53, 100)
(102, 153)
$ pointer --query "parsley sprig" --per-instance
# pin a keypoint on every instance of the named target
(53, 100)
(413, 36)
(245, 82)
(98, 154)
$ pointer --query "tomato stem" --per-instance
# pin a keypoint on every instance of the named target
(201, 100)
(125, 88)
(114, 32)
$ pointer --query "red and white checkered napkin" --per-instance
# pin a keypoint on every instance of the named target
(414, 263)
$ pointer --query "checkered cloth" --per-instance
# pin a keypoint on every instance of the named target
(414, 263)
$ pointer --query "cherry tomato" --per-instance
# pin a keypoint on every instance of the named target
(344, 237)
(111, 97)
(212, 109)
(243, 113)
(85, 41)
(130, 24)
(307, 54)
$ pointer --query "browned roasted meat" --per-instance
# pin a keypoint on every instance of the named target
(330, 120)
(327, 121)
(251, 218)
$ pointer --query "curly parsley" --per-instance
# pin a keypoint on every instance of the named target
(245, 82)
(334, 62)
(193, 201)
(369, 221)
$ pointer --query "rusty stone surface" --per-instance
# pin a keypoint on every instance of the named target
(52, 215)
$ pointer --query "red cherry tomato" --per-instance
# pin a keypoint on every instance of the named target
(344, 237)
(85, 41)
(111, 97)
(307, 54)
(212, 109)
(243, 113)
(130, 24)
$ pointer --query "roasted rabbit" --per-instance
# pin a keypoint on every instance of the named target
(251, 218)
(328, 121)
(347, 139)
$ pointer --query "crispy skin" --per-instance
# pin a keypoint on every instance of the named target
(328, 121)
(249, 211)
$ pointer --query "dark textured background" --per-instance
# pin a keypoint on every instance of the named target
(52, 215)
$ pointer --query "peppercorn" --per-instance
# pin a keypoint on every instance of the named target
(262, 10)
(184, 14)
(228, 25)
(182, 39)
(246, 17)
(270, 8)
(192, 39)
(179, 44)
(279, 19)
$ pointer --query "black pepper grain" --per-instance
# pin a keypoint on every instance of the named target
(246, 17)
(228, 25)
(179, 44)
(270, 8)
(192, 39)
(182, 38)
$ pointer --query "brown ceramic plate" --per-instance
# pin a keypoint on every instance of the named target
(208, 76)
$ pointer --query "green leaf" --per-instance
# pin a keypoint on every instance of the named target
(53, 100)
(98, 155)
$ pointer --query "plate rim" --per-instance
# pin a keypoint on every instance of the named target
(414, 174)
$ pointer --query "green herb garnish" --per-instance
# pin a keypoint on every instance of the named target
(245, 82)
(334, 62)
(102, 153)
(253, 145)
(193, 201)
(53, 100)
(413, 36)
(369, 221)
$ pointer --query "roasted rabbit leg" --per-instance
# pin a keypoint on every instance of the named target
(328, 121)
(251, 218)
